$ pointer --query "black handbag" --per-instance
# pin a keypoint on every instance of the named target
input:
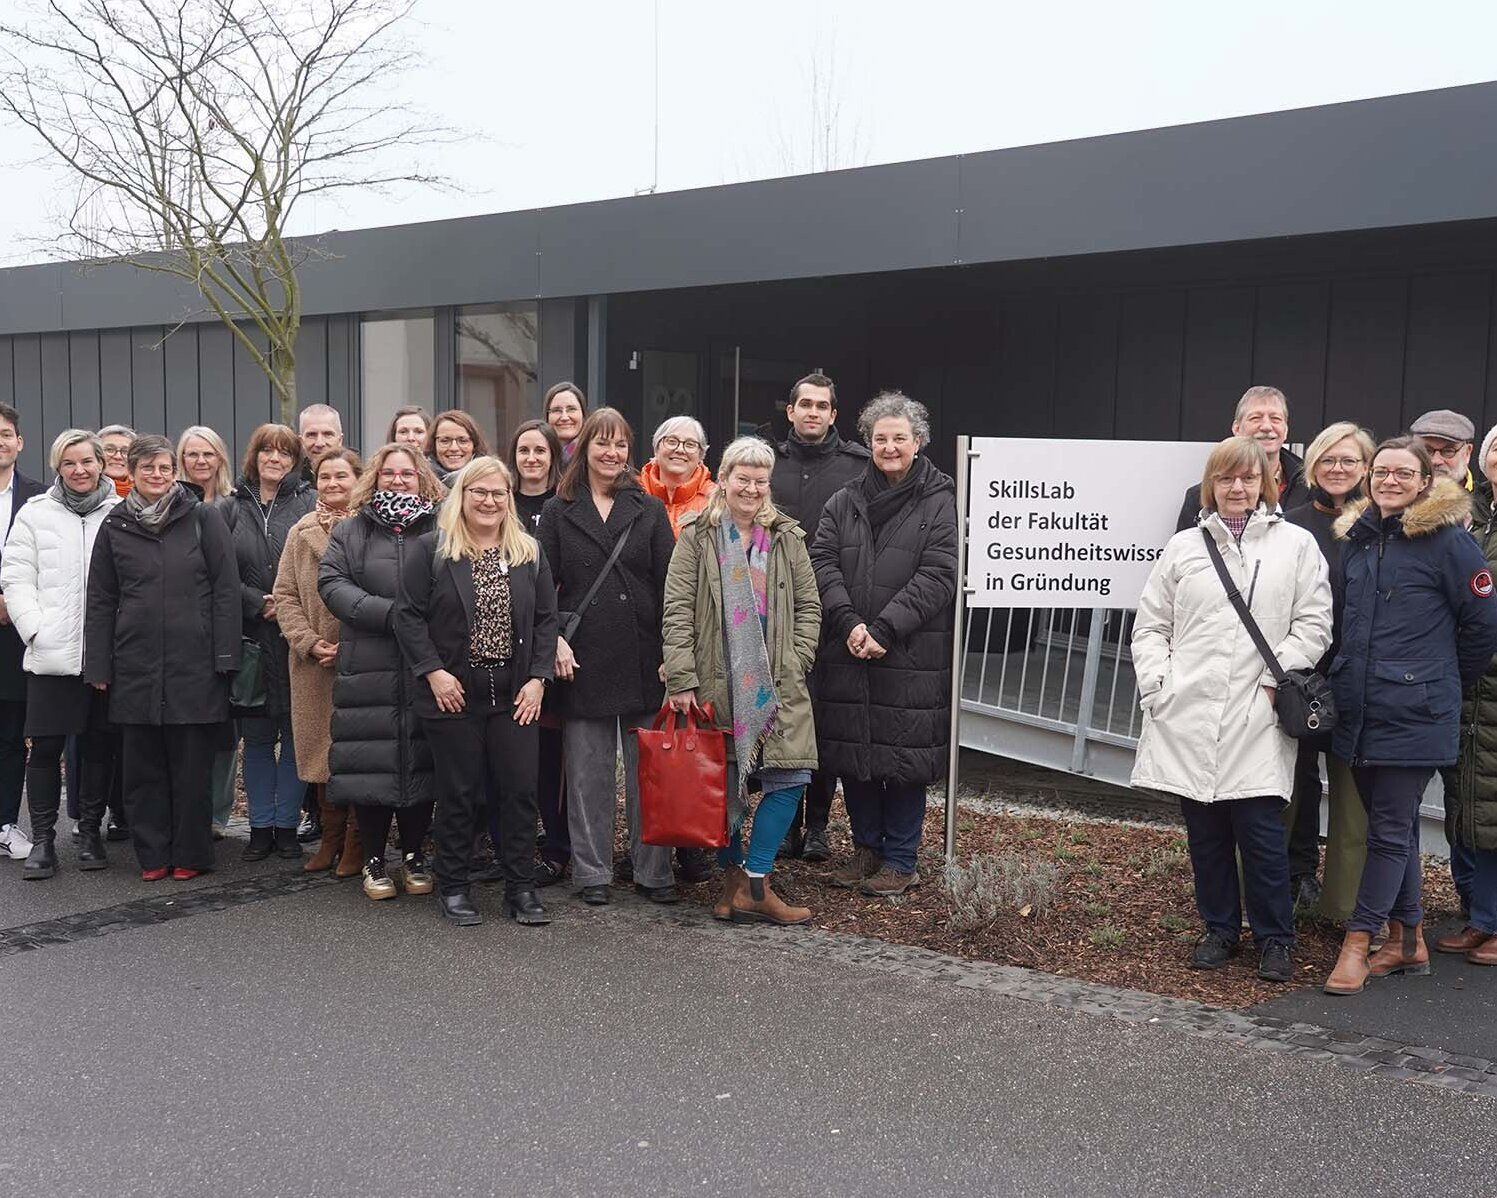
(1303, 700)
(568, 621)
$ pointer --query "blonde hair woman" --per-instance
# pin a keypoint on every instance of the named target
(203, 461)
(477, 623)
(742, 620)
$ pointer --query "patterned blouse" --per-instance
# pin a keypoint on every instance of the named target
(493, 636)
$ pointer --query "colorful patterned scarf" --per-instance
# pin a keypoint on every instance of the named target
(745, 584)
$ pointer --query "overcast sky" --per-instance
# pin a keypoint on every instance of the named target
(560, 97)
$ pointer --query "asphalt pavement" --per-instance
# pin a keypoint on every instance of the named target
(268, 1042)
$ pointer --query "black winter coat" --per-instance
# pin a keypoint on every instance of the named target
(618, 644)
(259, 534)
(434, 619)
(1295, 492)
(805, 476)
(12, 676)
(378, 754)
(887, 719)
(163, 622)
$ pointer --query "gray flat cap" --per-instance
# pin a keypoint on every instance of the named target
(1442, 422)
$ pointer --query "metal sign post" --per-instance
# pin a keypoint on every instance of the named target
(964, 453)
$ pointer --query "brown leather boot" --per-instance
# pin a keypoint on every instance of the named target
(1463, 941)
(757, 901)
(351, 861)
(1484, 953)
(334, 821)
(1405, 952)
(734, 880)
(1350, 974)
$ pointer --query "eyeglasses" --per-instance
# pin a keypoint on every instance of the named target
(686, 443)
(116, 451)
(1446, 453)
(454, 442)
(485, 495)
(1403, 474)
(1341, 463)
(403, 476)
(749, 484)
(1247, 480)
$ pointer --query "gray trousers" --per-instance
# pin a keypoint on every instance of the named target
(589, 750)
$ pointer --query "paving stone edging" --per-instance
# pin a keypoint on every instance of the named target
(1308, 1041)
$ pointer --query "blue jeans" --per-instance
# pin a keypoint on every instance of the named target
(1391, 880)
(1216, 833)
(1462, 869)
(1483, 890)
(273, 789)
(888, 818)
(773, 816)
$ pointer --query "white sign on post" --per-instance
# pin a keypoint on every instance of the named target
(1072, 523)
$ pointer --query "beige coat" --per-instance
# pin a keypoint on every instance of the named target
(304, 621)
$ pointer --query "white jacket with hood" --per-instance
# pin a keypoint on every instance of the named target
(44, 573)
(1209, 729)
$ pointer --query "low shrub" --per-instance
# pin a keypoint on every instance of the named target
(984, 887)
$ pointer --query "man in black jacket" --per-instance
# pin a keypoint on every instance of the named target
(15, 490)
(1263, 414)
(811, 465)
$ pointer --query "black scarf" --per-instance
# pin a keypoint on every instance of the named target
(885, 501)
(799, 448)
(1327, 503)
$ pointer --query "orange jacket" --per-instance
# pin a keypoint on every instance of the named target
(690, 496)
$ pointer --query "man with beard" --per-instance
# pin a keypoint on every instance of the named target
(1262, 414)
(1449, 437)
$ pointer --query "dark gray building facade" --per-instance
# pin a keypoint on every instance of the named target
(1126, 286)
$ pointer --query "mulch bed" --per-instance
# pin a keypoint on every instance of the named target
(1123, 911)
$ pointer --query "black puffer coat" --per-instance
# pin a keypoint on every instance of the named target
(259, 532)
(618, 644)
(806, 476)
(163, 616)
(887, 719)
(378, 754)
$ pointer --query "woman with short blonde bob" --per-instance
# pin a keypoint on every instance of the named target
(203, 461)
(477, 623)
(1210, 734)
(742, 620)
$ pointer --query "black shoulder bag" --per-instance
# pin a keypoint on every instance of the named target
(568, 621)
(1303, 700)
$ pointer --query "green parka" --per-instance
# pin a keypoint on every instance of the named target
(1471, 816)
(694, 634)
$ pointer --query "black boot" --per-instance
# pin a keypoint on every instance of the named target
(43, 797)
(261, 842)
(524, 907)
(287, 842)
(93, 797)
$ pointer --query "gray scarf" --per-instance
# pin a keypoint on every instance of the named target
(743, 567)
(152, 516)
(81, 505)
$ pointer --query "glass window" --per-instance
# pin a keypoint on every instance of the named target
(399, 365)
(496, 368)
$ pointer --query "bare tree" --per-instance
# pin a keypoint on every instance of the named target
(194, 128)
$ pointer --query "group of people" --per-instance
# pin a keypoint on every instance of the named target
(1372, 565)
(441, 641)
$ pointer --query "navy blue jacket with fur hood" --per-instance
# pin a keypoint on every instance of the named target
(1419, 622)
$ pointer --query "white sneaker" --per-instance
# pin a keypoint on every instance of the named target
(13, 841)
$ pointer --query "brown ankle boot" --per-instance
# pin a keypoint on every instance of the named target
(1405, 951)
(758, 901)
(334, 821)
(1463, 941)
(734, 880)
(351, 861)
(1350, 974)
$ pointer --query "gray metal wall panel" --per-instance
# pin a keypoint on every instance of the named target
(83, 371)
(148, 374)
(311, 365)
(215, 379)
(116, 389)
(1151, 347)
(28, 397)
(1364, 365)
(1446, 366)
(7, 371)
(1218, 358)
(57, 404)
(1087, 365)
(559, 351)
(181, 360)
(252, 396)
(342, 367)
(1026, 367)
(1289, 350)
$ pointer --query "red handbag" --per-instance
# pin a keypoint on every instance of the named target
(683, 781)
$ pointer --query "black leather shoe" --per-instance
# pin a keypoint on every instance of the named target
(459, 909)
(693, 866)
(261, 844)
(117, 829)
(548, 873)
(658, 894)
(595, 896)
(91, 850)
(524, 907)
(42, 861)
(1275, 965)
(310, 828)
(1212, 952)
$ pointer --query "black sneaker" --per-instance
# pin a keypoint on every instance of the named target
(1275, 965)
(310, 828)
(1212, 952)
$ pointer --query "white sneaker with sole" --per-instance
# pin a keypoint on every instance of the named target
(14, 843)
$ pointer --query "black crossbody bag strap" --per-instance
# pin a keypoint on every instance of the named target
(1234, 596)
(618, 548)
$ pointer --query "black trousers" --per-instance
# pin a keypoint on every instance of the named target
(167, 771)
(551, 795)
(1304, 832)
(88, 787)
(12, 758)
(374, 827)
(816, 810)
(481, 750)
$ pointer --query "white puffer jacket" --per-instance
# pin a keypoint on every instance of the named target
(44, 572)
(1209, 730)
